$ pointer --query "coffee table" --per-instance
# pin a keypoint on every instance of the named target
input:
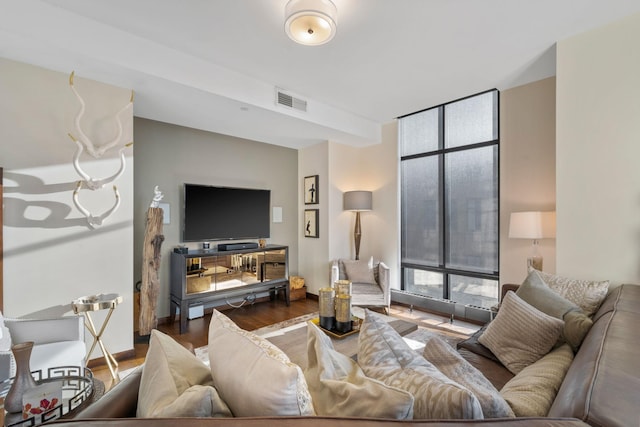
(293, 340)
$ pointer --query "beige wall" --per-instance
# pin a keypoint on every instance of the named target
(375, 169)
(313, 262)
(598, 150)
(344, 168)
(527, 170)
(51, 255)
(169, 155)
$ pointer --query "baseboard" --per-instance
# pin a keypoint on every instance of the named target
(123, 355)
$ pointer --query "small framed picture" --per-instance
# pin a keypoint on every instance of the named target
(311, 223)
(311, 190)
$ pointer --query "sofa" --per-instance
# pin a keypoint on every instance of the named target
(601, 387)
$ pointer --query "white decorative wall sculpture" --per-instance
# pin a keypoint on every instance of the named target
(84, 144)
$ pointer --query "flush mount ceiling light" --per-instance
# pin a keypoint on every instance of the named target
(310, 22)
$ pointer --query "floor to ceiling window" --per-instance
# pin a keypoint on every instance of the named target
(449, 200)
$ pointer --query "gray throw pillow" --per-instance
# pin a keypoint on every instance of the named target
(587, 294)
(359, 272)
(537, 293)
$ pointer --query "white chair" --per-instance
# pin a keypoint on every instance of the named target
(369, 282)
(57, 342)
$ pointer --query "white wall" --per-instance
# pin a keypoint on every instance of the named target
(169, 155)
(345, 168)
(598, 150)
(527, 170)
(51, 255)
(313, 262)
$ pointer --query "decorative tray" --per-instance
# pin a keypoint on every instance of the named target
(75, 385)
(355, 328)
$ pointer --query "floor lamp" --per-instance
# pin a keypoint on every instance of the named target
(357, 201)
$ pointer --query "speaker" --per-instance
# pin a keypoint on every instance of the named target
(236, 246)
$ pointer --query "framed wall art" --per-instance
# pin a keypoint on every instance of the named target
(311, 223)
(311, 190)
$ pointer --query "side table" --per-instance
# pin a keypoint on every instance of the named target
(87, 304)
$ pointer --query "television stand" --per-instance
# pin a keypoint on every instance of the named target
(205, 276)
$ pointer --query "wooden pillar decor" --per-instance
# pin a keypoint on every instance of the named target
(150, 289)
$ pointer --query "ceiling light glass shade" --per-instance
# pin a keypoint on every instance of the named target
(310, 22)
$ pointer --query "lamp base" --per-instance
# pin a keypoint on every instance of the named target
(534, 262)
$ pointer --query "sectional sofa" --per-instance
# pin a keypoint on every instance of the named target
(601, 386)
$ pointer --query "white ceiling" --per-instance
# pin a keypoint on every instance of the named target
(215, 64)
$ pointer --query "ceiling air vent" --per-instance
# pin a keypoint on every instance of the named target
(290, 101)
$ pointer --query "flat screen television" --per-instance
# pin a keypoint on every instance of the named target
(225, 213)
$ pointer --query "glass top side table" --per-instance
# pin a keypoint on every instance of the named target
(87, 304)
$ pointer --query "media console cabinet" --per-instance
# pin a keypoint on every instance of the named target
(205, 276)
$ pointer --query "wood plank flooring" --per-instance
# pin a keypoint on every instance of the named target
(258, 315)
(248, 317)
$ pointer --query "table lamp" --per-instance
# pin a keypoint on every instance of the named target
(535, 226)
(357, 201)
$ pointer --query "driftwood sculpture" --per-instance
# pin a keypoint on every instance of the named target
(150, 289)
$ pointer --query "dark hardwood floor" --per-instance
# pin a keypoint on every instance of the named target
(248, 317)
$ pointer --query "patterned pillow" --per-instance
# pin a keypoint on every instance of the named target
(455, 367)
(340, 388)
(520, 334)
(535, 292)
(175, 383)
(532, 392)
(385, 356)
(252, 375)
(586, 294)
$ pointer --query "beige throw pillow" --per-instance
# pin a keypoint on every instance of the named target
(455, 367)
(175, 383)
(359, 271)
(587, 294)
(535, 292)
(532, 392)
(340, 388)
(385, 356)
(520, 334)
(253, 376)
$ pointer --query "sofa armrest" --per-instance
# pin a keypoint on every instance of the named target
(119, 402)
(7, 365)
(44, 331)
(506, 288)
(384, 282)
(335, 272)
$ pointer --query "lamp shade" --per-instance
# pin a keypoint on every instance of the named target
(310, 22)
(357, 200)
(532, 225)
